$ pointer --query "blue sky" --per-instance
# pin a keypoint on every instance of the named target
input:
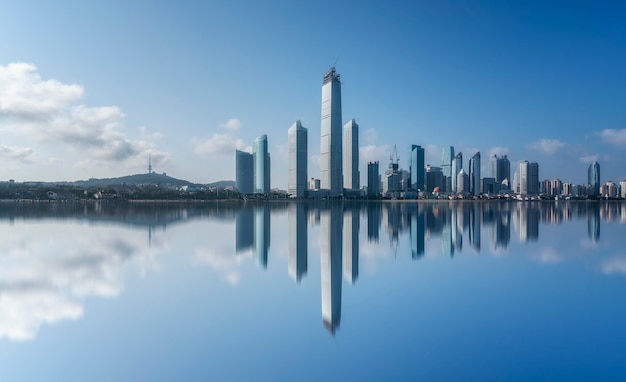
(89, 89)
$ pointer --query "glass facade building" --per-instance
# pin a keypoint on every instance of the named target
(244, 172)
(474, 174)
(416, 167)
(297, 156)
(351, 176)
(593, 178)
(331, 166)
(447, 155)
(261, 158)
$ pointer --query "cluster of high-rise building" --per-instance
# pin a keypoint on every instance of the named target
(339, 167)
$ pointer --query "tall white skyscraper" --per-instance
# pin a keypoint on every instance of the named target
(331, 166)
(297, 157)
(351, 176)
(523, 177)
(261, 158)
(457, 165)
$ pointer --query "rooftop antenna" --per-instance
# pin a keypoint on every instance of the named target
(336, 60)
(149, 163)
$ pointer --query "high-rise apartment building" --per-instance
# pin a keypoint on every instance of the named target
(244, 172)
(416, 168)
(593, 178)
(297, 156)
(373, 179)
(447, 155)
(261, 157)
(457, 165)
(351, 176)
(474, 174)
(331, 166)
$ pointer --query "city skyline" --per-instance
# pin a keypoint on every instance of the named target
(538, 82)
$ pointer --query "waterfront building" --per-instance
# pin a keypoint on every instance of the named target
(373, 179)
(416, 168)
(331, 166)
(567, 189)
(488, 185)
(244, 172)
(533, 178)
(622, 187)
(261, 158)
(314, 184)
(457, 165)
(447, 155)
(434, 178)
(462, 182)
(351, 176)
(503, 171)
(593, 178)
(474, 174)
(557, 187)
(609, 190)
(297, 156)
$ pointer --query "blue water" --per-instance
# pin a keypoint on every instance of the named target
(517, 291)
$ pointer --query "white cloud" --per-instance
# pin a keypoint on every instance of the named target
(499, 150)
(219, 143)
(371, 153)
(22, 154)
(547, 146)
(23, 94)
(48, 111)
(589, 158)
(232, 124)
(614, 137)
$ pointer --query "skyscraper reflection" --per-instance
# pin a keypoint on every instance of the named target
(593, 223)
(330, 259)
(373, 221)
(417, 230)
(297, 262)
(351, 222)
(261, 234)
(474, 226)
(244, 231)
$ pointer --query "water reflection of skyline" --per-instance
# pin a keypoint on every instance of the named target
(408, 230)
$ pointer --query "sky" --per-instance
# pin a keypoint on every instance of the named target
(92, 89)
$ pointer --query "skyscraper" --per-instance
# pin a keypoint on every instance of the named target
(447, 155)
(373, 179)
(533, 178)
(474, 174)
(331, 166)
(523, 177)
(457, 165)
(244, 172)
(298, 157)
(351, 178)
(462, 182)
(593, 178)
(492, 170)
(416, 168)
(261, 158)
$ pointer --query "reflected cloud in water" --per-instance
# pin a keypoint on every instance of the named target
(54, 256)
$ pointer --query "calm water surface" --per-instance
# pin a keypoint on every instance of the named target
(305, 291)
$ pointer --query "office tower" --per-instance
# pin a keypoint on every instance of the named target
(474, 174)
(331, 166)
(351, 176)
(492, 166)
(416, 168)
(434, 178)
(261, 158)
(457, 165)
(523, 177)
(593, 178)
(261, 234)
(462, 182)
(503, 172)
(373, 180)
(533, 178)
(622, 188)
(297, 262)
(447, 155)
(330, 266)
(244, 231)
(297, 155)
(351, 223)
(244, 172)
